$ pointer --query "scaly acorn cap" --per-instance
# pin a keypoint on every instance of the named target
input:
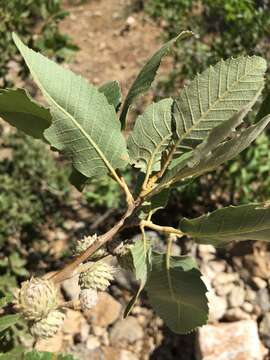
(88, 299)
(48, 327)
(97, 277)
(84, 244)
(36, 298)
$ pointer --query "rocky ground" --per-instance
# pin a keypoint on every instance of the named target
(239, 321)
(114, 42)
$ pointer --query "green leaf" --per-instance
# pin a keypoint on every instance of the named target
(8, 320)
(14, 354)
(77, 179)
(141, 253)
(214, 97)
(5, 300)
(84, 125)
(224, 152)
(221, 132)
(151, 136)
(157, 202)
(19, 110)
(177, 293)
(245, 222)
(147, 75)
(36, 355)
(112, 92)
(264, 108)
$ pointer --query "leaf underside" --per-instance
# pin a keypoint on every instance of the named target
(112, 92)
(151, 136)
(19, 110)
(233, 223)
(140, 257)
(214, 97)
(178, 294)
(224, 152)
(84, 125)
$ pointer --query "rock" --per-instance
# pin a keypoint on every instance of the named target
(218, 266)
(263, 300)
(236, 314)
(73, 323)
(92, 342)
(236, 297)
(127, 355)
(71, 288)
(225, 289)
(106, 311)
(6, 154)
(54, 344)
(258, 283)
(126, 331)
(111, 353)
(206, 252)
(264, 330)
(247, 307)
(225, 278)
(235, 341)
(250, 295)
(217, 306)
(131, 22)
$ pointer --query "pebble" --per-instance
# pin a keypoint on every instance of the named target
(262, 299)
(265, 329)
(207, 252)
(236, 314)
(224, 278)
(247, 307)
(250, 295)
(236, 297)
(71, 288)
(224, 289)
(234, 341)
(106, 311)
(217, 306)
(92, 342)
(127, 330)
(258, 283)
(127, 355)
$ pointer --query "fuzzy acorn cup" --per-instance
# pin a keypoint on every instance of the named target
(39, 303)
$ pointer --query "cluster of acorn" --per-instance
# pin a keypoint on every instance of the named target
(39, 303)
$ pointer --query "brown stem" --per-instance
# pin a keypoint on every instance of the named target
(68, 270)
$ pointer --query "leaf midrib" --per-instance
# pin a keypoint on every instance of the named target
(92, 142)
(220, 98)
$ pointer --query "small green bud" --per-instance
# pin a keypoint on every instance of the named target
(97, 277)
(48, 327)
(84, 244)
(36, 298)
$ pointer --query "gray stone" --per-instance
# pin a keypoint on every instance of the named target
(265, 330)
(263, 300)
(217, 306)
(225, 278)
(234, 341)
(258, 283)
(106, 311)
(236, 314)
(236, 297)
(71, 288)
(127, 331)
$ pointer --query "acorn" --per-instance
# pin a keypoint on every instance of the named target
(36, 298)
(88, 299)
(84, 244)
(97, 277)
(48, 326)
